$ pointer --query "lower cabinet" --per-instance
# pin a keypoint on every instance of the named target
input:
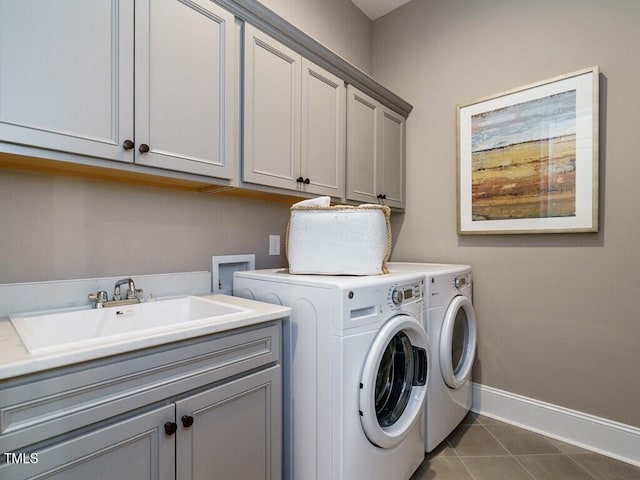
(228, 430)
(136, 448)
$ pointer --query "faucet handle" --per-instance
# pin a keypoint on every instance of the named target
(99, 298)
(132, 292)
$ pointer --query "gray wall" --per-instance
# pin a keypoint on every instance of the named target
(60, 228)
(558, 314)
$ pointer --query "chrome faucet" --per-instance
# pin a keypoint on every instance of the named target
(101, 300)
(131, 293)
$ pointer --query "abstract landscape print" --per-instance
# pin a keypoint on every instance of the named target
(523, 160)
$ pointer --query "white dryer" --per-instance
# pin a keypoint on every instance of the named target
(355, 363)
(450, 322)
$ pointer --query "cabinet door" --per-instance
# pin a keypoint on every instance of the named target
(236, 430)
(66, 75)
(375, 151)
(271, 111)
(323, 131)
(185, 86)
(392, 157)
(137, 448)
(362, 146)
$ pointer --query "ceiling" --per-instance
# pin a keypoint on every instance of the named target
(377, 8)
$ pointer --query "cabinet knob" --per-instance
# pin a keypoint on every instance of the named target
(381, 196)
(307, 181)
(170, 428)
(187, 421)
(128, 144)
(300, 180)
(144, 148)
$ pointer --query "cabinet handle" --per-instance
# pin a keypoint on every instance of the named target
(187, 421)
(381, 196)
(170, 428)
(144, 148)
(300, 180)
(128, 144)
(307, 181)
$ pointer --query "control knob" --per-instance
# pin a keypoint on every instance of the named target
(460, 282)
(397, 296)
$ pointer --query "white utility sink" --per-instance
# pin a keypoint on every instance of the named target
(54, 331)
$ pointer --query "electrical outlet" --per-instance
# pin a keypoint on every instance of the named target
(274, 244)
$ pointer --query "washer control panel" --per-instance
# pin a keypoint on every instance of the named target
(399, 294)
(461, 281)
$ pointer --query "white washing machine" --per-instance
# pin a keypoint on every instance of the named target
(450, 322)
(355, 365)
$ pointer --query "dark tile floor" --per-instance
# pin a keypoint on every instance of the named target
(485, 449)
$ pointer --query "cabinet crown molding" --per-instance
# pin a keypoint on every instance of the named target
(254, 12)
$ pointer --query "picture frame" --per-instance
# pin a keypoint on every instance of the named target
(528, 158)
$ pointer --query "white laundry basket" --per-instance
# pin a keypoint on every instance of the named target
(338, 240)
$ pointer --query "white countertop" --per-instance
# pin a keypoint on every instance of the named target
(15, 360)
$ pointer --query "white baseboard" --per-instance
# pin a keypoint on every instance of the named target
(599, 435)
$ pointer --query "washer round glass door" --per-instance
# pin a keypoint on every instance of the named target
(458, 342)
(394, 381)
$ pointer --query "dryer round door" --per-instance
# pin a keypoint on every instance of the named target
(458, 342)
(394, 381)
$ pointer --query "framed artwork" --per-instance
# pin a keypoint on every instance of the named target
(528, 158)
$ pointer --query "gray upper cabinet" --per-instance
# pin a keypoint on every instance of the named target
(294, 119)
(185, 84)
(375, 151)
(67, 81)
(392, 181)
(323, 131)
(362, 146)
(172, 88)
(66, 76)
(271, 111)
